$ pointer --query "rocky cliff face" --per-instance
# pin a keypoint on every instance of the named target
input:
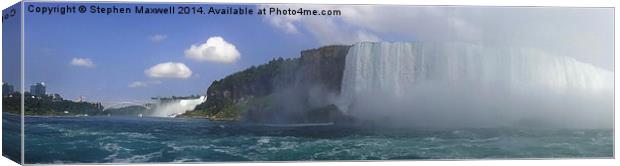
(283, 90)
(323, 66)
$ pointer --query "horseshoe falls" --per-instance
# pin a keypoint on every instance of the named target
(463, 85)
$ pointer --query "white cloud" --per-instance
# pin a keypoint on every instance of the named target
(82, 62)
(142, 84)
(328, 31)
(366, 22)
(137, 84)
(169, 70)
(583, 33)
(216, 49)
(427, 23)
(325, 29)
(285, 22)
(157, 38)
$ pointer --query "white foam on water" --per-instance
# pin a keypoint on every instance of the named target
(137, 135)
(137, 158)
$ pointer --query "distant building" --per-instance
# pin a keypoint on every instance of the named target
(37, 89)
(7, 89)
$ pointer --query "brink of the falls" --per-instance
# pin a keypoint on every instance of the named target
(462, 85)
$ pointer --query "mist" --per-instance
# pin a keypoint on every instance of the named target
(448, 85)
(290, 104)
(437, 105)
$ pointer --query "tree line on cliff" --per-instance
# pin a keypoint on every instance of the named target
(292, 90)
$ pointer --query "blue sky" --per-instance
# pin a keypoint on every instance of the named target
(121, 49)
(107, 58)
(11, 48)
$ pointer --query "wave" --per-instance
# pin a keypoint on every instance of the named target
(298, 124)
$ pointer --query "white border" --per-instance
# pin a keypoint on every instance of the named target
(22, 78)
(565, 3)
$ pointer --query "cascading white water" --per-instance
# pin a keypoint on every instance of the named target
(423, 74)
(172, 109)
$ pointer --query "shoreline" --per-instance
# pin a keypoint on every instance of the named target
(207, 118)
(184, 117)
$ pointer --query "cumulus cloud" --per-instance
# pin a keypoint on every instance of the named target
(82, 62)
(142, 84)
(583, 33)
(169, 70)
(216, 49)
(157, 38)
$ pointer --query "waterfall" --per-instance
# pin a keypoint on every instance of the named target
(428, 73)
(177, 107)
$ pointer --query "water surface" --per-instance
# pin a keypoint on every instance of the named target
(133, 139)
